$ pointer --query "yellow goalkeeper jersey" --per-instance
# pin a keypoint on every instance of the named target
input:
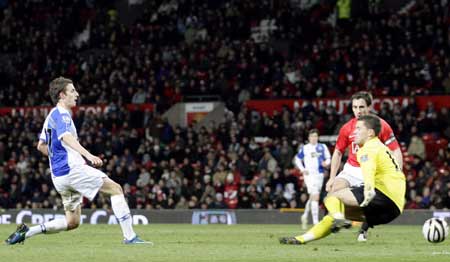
(380, 169)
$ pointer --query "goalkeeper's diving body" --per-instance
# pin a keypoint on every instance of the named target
(379, 201)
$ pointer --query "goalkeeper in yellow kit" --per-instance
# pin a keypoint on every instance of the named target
(379, 201)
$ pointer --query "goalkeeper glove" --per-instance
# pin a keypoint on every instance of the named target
(369, 194)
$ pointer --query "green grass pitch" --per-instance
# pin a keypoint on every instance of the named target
(177, 242)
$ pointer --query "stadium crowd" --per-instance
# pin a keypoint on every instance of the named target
(225, 165)
(177, 48)
(206, 48)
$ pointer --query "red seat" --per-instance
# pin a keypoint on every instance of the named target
(442, 143)
(427, 137)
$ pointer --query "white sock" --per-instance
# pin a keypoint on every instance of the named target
(122, 213)
(49, 227)
(315, 211)
(307, 208)
(338, 216)
(308, 237)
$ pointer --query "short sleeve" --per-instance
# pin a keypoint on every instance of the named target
(387, 136)
(43, 136)
(326, 152)
(342, 140)
(300, 154)
(63, 124)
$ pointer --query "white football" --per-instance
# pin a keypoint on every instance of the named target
(435, 230)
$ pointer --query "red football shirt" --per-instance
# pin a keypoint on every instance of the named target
(346, 139)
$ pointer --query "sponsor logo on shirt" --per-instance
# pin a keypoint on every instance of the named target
(66, 119)
(364, 158)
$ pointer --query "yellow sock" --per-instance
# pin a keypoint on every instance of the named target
(321, 230)
(334, 205)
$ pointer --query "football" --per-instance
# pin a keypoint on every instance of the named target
(435, 230)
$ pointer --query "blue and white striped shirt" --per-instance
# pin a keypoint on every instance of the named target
(310, 158)
(62, 157)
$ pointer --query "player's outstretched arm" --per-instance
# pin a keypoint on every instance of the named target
(42, 147)
(335, 163)
(71, 141)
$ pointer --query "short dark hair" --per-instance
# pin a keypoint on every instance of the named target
(371, 122)
(314, 130)
(363, 95)
(57, 86)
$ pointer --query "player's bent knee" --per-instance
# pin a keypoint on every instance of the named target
(116, 189)
(335, 194)
(331, 194)
(339, 184)
(111, 188)
(315, 197)
(338, 192)
(72, 224)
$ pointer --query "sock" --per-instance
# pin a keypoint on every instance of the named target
(315, 211)
(307, 208)
(122, 213)
(365, 226)
(49, 227)
(335, 206)
(321, 230)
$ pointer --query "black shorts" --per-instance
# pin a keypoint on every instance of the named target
(381, 210)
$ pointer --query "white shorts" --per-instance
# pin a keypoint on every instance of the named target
(81, 181)
(314, 183)
(352, 174)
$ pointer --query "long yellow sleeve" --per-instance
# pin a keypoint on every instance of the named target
(367, 160)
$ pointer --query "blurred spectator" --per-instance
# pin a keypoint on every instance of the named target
(218, 202)
(417, 147)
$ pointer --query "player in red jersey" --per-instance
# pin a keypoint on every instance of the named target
(351, 175)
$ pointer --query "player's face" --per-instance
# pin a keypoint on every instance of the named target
(361, 133)
(313, 138)
(360, 108)
(70, 96)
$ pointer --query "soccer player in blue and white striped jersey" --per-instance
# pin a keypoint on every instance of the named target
(311, 160)
(71, 176)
